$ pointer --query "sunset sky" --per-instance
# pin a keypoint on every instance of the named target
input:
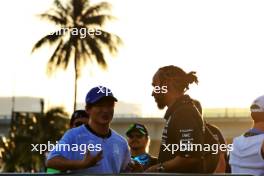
(223, 41)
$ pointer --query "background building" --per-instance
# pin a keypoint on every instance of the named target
(17, 104)
(232, 122)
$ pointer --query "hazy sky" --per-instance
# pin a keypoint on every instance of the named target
(222, 40)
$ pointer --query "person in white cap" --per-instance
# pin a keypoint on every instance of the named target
(247, 155)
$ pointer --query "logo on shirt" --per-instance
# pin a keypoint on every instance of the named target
(165, 132)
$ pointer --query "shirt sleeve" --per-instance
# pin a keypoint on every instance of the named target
(63, 147)
(186, 127)
(126, 159)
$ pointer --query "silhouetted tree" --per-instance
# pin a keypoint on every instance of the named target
(27, 129)
(73, 18)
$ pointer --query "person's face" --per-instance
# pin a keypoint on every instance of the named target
(79, 121)
(102, 111)
(136, 140)
(158, 95)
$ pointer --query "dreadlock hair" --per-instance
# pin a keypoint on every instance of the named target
(178, 77)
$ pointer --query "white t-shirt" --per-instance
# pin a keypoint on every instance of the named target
(246, 155)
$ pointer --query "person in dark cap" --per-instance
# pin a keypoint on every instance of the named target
(107, 153)
(78, 118)
(138, 140)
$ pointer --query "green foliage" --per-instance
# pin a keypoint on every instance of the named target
(27, 129)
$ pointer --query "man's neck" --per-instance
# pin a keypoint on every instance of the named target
(259, 126)
(99, 129)
(136, 152)
(172, 98)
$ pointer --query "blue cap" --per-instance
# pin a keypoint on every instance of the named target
(97, 93)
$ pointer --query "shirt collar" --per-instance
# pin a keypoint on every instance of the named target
(98, 135)
(179, 101)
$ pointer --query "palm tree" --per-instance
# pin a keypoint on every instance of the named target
(28, 129)
(80, 36)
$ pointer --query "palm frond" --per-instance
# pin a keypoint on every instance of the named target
(97, 20)
(86, 53)
(77, 8)
(59, 20)
(97, 52)
(60, 7)
(67, 50)
(60, 10)
(50, 38)
(53, 59)
(110, 41)
(96, 9)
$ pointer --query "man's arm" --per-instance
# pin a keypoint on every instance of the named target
(262, 150)
(221, 166)
(176, 164)
(63, 164)
(128, 165)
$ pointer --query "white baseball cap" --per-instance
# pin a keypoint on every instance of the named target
(258, 105)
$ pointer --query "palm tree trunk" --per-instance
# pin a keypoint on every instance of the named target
(75, 91)
(75, 79)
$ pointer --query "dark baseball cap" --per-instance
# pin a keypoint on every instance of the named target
(137, 127)
(97, 93)
(77, 115)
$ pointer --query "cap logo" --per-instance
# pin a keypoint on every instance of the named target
(106, 91)
(140, 127)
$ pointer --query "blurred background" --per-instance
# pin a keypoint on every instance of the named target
(43, 79)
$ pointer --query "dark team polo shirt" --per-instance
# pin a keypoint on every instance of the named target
(183, 125)
(219, 136)
(217, 133)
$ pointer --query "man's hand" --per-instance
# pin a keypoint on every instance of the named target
(89, 161)
(152, 169)
(135, 167)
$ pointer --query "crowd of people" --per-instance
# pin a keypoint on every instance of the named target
(184, 125)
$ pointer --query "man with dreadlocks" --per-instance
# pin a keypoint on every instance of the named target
(181, 125)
